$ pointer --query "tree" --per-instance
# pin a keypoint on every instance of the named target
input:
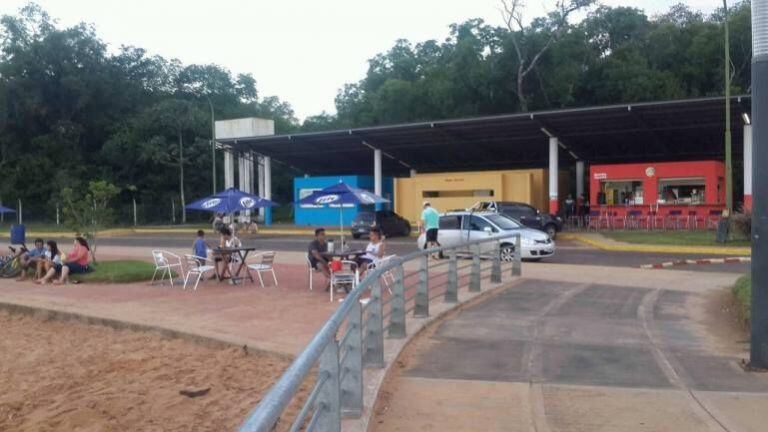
(92, 212)
(553, 26)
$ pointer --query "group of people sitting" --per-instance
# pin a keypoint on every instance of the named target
(227, 239)
(50, 264)
(320, 259)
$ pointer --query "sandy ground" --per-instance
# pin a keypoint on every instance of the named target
(68, 376)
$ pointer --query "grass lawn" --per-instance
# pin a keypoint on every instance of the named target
(673, 238)
(118, 272)
(743, 293)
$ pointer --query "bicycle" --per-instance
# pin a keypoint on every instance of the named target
(10, 265)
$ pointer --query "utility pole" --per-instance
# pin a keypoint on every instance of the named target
(758, 355)
(728, 162)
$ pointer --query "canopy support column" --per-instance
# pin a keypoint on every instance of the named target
(579, 179)
(747, 167)
(229, 169)
(553, 175)
(377, 175)
(267, 189)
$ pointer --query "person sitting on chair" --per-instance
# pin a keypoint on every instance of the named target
(29, 258)
(317, 254)
(222, 259)
(375, 250)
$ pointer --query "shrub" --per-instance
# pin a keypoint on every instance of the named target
(742, 291)
(742, 225)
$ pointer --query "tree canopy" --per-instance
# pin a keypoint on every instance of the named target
(72, 112)
(614, 55)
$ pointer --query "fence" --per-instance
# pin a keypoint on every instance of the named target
(338, 363)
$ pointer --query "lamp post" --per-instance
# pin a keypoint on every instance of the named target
(758, 354)
(728, 163)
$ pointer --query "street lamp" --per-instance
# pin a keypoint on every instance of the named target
(758, 355)
(728, 163)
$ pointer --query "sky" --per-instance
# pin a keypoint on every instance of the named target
(302, 51)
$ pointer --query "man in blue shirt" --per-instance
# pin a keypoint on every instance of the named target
(30, 257)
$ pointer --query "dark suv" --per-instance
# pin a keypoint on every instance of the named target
(391, 223)
(526, 214)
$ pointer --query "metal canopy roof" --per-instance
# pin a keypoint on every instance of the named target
(655, 131)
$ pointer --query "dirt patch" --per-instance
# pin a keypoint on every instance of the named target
(722, 320)
(71, 376)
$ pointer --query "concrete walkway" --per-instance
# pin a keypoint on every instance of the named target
(595, 350)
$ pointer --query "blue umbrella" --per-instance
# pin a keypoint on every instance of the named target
(4, 209)
(340, 194)
(229, 201)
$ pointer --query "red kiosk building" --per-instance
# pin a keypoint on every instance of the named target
(689, 194)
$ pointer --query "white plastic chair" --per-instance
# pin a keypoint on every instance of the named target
(344, 277)
(196, 267)
(312, 271)
(388, 277)
(165, 262)
(264, 263)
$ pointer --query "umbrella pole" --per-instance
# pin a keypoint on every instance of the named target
(341, 224)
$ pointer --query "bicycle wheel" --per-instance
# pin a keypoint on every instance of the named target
(10, 269)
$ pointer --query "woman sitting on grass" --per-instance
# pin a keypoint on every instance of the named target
(76, 262)
(50, 265)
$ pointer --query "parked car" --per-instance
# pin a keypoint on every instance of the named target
(526, 214)
(461, 226)
(391, 223)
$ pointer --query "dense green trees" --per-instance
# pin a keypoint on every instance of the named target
(613, 55)
(72, 112)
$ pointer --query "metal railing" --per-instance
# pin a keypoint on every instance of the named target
(338, 362)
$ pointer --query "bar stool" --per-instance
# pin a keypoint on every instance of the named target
(693, 220)
(713, 218)
(675, 219)
(633, 219)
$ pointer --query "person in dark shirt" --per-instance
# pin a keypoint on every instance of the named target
(317, 254)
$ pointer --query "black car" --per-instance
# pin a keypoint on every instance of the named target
(391, 223)
(526, 214)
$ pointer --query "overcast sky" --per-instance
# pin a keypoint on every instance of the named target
(300, 50)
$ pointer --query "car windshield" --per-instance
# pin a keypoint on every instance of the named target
(503, 222)
(364, 217)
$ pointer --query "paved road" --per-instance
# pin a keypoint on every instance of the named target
(547, 356)
(567, 253)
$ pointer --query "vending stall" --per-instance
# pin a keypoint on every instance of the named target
(680, 194)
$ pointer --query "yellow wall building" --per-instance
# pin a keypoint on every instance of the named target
(460, 190)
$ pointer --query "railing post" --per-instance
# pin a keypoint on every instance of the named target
(352, 370)
(374, 339)
(474, 277)
(397, 306)
(452, 291)
(328, 400)
(517, 268)
(421, 308)
(496, 267)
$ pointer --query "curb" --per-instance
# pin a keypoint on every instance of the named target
(61, 315)
(627, 247)
(187, 231)
(678, 263)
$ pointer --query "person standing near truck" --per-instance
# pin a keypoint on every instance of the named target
(430, 223)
